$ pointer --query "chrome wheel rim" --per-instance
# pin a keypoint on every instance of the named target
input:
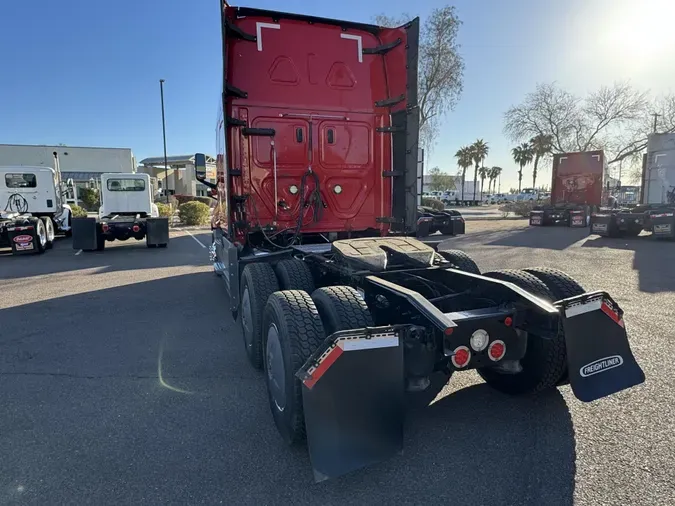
(276, 371)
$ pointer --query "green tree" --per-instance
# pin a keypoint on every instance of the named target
(541, 146)
(479, 151)
(522, 155)
(493, 174)
(483, 173)
(464, 160)
(440, 181)
(90, 198)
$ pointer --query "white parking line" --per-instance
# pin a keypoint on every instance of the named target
(78, 252)
(198, 241)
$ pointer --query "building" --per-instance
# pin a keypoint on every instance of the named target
(84, 165)
(180, 173)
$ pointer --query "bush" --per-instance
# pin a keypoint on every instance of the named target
(89, 198)
(522, 208)
(183, 199)
(433, 203)
(194, 213)
(165, 210)
(77, 211)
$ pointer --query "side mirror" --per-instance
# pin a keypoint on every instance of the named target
(200, 167)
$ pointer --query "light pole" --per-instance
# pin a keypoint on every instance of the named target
(166, 169)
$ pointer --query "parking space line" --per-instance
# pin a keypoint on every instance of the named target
(198, 241)
(78, 252)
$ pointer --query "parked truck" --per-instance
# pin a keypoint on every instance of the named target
(656, 211)
(313, 234)
(32, 208)
(127, 212)
(580, 185)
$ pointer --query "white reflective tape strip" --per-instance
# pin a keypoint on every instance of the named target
(359, 43)
(593, 305)
(368, 344)
(258, 31)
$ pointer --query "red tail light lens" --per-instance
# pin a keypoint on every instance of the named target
(135, 228)
(497, 350)
(461, 357)
(105, 227)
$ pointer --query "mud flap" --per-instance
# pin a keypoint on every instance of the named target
(353, 398)
(578, 219)
(536, 218)
(85, 233)
(603, 225)
(157, 231)
(663, 225)
(599, 357)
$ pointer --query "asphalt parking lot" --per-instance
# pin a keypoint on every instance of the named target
(123, 380)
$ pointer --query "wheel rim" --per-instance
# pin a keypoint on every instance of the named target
(276, 372)
(247, 318)
(50, 230)
(42, 235)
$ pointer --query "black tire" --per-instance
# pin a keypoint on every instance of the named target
(561, 286)
(294, 274)
(40, 235)
(150, 245)
(545, 361)
(164, 245)
(258, 282)
(293, 331)
(341, 308)
(49, 229)
(460, 260)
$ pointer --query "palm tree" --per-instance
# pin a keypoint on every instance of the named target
(522, 155)
(483, 173)
(464, 160)
(493, 174)
(541, 145)
(479, 151)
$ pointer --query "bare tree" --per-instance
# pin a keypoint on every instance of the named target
(440, 67)
(615, 118)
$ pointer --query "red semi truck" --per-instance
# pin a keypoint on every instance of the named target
(345, 312)
(580, 184)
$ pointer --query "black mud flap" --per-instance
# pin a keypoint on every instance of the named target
(578, 219)
(603, 225)
(458, 225)
(353, 398)
(537, 218)
(663, 225)
(599, 357)
(157, 231)
(85, 233)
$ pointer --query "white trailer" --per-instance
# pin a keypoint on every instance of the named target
(32, 208)
(127, 212)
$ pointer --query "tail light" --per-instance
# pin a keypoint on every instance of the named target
(461, 357)
(496, 350)
(105, 227)
(136, 229)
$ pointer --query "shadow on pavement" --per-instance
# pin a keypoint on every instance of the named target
(118, 256)
(652, 259)
(555, 238)
(142, 394)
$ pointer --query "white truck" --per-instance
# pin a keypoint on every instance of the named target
(127, 211)
(32, 208)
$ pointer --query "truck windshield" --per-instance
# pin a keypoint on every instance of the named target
(20, 180)
(126, 185)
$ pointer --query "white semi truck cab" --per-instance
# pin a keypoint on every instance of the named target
(127, 212)
(32, 208)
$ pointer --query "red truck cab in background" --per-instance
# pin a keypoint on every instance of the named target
(580, 184)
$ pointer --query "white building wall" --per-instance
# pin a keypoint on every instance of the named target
(71, 159)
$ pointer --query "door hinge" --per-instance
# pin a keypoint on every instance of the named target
(390, 129)
(234, 172)
(233, 91)
(230, 121)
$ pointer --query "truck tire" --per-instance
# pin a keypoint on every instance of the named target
(49, 229)
(100, 242)
(460, 260)
(294, 274)
(561, 286)
(292, 332)
(258, 282)
(545, 361)
(40, 236)
(341, 308)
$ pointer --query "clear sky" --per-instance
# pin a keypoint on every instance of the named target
(85, 72)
